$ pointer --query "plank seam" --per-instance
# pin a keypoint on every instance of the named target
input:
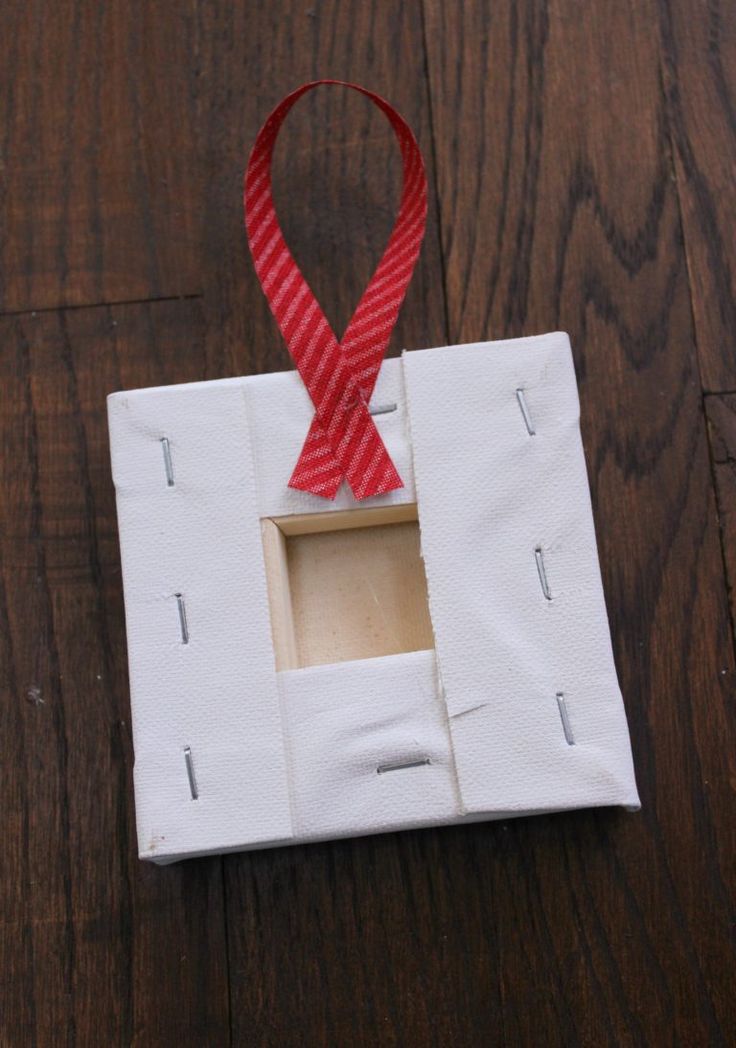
(727, 582)
(433, 182)
(75, 306)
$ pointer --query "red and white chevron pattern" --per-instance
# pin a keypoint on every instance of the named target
(343, 441)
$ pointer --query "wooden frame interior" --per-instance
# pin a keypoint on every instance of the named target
(345, 585)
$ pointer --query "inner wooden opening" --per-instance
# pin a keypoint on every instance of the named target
(346, 585)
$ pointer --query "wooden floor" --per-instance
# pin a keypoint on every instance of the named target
(581, 160)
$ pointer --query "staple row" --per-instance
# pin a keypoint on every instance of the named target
(542, 572)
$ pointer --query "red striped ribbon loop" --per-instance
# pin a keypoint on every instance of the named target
(343, 441)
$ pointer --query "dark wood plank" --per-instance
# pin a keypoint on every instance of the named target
(126, 130)
(721, 412)
(699, 71)
(97, 948)
(99, 181)
(559, 210)
(336, 172)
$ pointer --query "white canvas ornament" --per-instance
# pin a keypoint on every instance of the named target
(424, 639)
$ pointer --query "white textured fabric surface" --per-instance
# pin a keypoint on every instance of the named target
(349, 725)
(217, 694)
(491, 495)
(310, 753)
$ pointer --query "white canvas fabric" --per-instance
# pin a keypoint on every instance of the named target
(516, 710)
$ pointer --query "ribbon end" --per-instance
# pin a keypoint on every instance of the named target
(380, 485)
(329, 487)
(326, 489)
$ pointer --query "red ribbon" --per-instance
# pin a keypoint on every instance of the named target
(343, 441)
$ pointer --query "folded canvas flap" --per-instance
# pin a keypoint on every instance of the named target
(280, 414)
(535, 712)
(350, 725)
(189, 526)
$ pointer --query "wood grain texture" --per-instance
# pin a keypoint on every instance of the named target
(721, 412)
(699, 73)
(578, 158)
(98, 180)
(96, 948)
(572, 221)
